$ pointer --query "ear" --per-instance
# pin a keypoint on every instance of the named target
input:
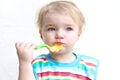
(40, 34)
(79, 34)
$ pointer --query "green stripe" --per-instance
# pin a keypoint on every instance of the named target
(41, 62)
(84, 66)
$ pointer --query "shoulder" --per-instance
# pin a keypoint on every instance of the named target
(89, 59)
(90, 65)
(40, 58)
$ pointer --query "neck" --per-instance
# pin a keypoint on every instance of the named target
(64, 58)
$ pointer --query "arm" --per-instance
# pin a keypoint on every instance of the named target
(25, 72)
(24, 52)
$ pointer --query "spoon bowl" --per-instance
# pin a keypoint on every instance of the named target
(54, 48)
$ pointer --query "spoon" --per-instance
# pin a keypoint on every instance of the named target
(54, 48)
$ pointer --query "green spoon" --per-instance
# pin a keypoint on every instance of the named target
(54, 48)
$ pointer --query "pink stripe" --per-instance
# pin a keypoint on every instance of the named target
(88, 63)
(63, 74)
(43, 59)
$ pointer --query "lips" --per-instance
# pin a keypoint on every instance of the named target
(59, 43)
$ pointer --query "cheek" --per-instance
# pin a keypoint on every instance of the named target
(73, 38)
(47, 38)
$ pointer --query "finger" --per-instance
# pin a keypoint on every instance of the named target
(17, 44)
(27, 45)
(20, 45)
(32, 46)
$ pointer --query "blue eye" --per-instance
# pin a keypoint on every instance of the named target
(69, 29)
(51, 29)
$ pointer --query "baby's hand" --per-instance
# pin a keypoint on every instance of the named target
(24, 51)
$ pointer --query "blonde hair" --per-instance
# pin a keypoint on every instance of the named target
(66, 7)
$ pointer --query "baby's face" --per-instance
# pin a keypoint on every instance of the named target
(60, 28)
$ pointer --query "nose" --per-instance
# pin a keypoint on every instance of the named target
(59, 34)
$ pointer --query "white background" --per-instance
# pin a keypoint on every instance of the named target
(101, 38)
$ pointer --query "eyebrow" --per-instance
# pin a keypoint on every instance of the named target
(50, 25)
(69, 24)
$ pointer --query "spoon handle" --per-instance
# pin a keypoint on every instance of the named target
(41, 46)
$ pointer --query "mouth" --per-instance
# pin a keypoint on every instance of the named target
(56, 47)
(59, 43)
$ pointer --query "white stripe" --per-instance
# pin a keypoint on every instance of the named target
(74, 71)
(90, 61)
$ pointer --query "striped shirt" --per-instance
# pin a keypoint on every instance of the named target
(83, 68)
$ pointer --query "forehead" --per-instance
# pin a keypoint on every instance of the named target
(58, 18)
